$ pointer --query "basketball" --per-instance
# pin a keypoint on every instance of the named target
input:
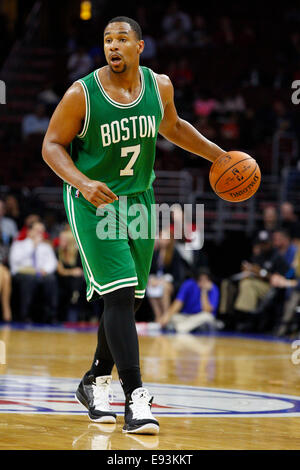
(235, 176)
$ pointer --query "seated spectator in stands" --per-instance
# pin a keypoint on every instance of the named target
(195, 305)
(36, 123)
(255, 285)
(200, 35)
(269, 221)
(79, 64)
(289, 220)
(293, 301)
(33, 263)
(70, 276)
(29, 221)
(166, 274)
(224, 34)
(8, 227)
(5, 293)
(176, 25)
(12, 209)
(283, 244)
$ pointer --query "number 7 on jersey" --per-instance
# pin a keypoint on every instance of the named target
(135, 150)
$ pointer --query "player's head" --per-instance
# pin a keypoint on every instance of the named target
(123, 43)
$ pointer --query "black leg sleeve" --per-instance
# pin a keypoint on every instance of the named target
(121, 335)
(103, 362)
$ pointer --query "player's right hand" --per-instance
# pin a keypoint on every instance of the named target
(98, 193)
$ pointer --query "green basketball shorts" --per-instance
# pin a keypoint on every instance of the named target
(115, 243)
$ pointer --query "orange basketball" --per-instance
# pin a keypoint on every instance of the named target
(235, 176)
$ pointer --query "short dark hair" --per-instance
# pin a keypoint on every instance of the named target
(203, 271)
(133, 24)
(286, 233)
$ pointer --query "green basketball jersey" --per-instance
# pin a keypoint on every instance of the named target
(117, 142)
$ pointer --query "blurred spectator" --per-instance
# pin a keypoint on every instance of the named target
(269, 221)
(35, 123)
(200, 35)
(8, 227)
(97, 56)
(224, 33)
(195, 305)
(70, 276)
(282, 243)
(176, 23)
(150, 50)
(29, 221)
(5, 293)
(255, 287)
(166, 274)
(289, 220)
(79, 64)
(292, 302)
(33, 263)
(12, 209)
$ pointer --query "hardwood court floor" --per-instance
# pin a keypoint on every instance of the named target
(187, 362)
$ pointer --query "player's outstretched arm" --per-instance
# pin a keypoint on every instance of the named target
(179, 131)
(64, 125)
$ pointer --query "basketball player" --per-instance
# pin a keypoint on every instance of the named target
(110, 119)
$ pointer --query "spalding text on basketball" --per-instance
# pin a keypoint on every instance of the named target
(243, 191)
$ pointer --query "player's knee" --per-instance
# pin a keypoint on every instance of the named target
(120, 300)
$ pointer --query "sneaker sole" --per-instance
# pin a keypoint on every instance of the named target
(102, 419)
(149, 428)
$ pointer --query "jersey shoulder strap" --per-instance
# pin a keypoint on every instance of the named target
(151, 82)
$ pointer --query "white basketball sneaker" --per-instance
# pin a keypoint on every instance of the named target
(138, 416)
(94, 393)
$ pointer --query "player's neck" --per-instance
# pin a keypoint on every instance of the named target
(128, 80)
